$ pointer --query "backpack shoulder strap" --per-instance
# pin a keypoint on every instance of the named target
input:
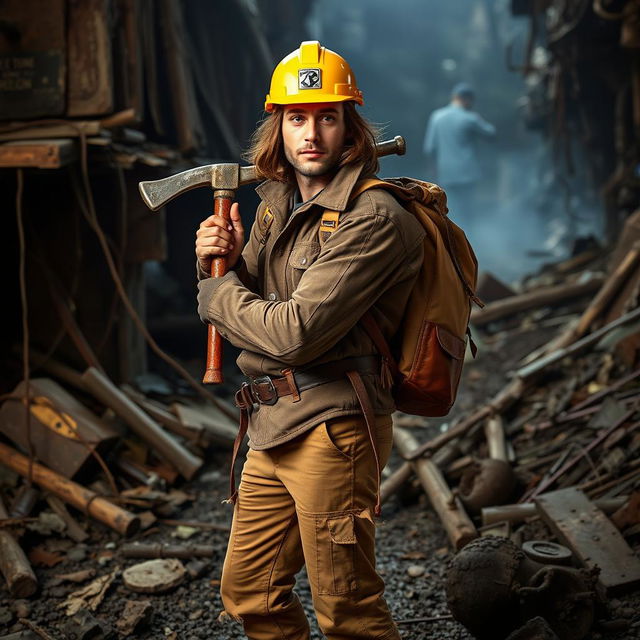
(366, 184)
(330, 219)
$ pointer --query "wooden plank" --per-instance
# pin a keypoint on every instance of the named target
(128, 52)
(61, 427)
(186, 115)
(580, 525)
(448, 506)
(89, 58)
(17, 130)
(218, 427)
(542, 297)
(32, 59)
(44, 154)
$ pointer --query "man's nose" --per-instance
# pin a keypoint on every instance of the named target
(311, 132)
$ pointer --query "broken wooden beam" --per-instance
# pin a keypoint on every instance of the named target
(494, 433)
(162, 415)
(74, 530)
(42, 154)
(514, 390)
(219, 429)
(14, 565)
(395, 481)
(599, 303)
(70, 129)
(74, 494)
(510, 394)
(528, 371)
(533, 299)
(584, 451)
(140, 422)
(456, 522)
(514, 513)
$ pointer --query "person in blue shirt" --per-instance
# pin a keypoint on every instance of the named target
(451, 137)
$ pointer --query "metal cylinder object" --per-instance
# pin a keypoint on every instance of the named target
(493, 587)
(547, 552)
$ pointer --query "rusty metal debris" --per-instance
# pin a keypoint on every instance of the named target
(493, 588)
(557, 445)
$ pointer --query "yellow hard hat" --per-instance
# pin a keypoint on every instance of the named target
(312, 73)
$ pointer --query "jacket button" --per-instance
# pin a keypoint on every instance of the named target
(272, 296)
(303, 261)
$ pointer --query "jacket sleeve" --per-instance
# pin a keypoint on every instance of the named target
(429, 144)
(356, 265)
(483, 127)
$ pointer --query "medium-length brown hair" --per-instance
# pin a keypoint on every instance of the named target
(266, 150)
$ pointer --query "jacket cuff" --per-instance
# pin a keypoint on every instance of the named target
(202, 274)
(207, 289)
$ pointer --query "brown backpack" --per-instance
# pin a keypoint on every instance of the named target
(436, 321)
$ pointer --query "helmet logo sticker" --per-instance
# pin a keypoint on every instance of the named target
(309, 79)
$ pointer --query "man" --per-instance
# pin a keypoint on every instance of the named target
(451, 136)
(317, 258)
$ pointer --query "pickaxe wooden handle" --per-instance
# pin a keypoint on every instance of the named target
(224, 178)
(222, 200)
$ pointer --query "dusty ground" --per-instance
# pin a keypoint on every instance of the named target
(408, 534)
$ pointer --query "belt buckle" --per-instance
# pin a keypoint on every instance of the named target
(262, 380)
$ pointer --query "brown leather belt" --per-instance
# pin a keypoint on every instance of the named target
(267, 389)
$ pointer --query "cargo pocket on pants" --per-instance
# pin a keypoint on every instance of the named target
(336, 553)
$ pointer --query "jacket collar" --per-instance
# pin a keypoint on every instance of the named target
(335, 196)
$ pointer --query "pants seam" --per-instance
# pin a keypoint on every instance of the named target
(270, 574)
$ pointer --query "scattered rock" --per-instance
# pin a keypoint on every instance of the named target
(136, 614)
(183, 532)
(21, 608)
(154, 576)
(47, 523)
(78, 553)
(76, 576)
(84, 626)
(416, 570)
(6, 615)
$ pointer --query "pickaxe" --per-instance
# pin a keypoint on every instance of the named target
(224, 179)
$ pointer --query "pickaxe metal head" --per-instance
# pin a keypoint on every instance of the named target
(226, 175)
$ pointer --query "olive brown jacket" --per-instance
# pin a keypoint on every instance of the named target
(294, 301)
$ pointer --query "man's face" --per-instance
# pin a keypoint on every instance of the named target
(313, 136)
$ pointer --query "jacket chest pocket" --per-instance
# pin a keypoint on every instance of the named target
(303, 255)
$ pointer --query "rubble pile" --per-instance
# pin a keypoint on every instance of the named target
(534, 477)
(547, 470)
(120, 459)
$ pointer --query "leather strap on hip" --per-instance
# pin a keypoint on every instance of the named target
(292, 384)
(242, 430)
(370, 420)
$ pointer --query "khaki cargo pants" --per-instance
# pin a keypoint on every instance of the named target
(309, 501)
